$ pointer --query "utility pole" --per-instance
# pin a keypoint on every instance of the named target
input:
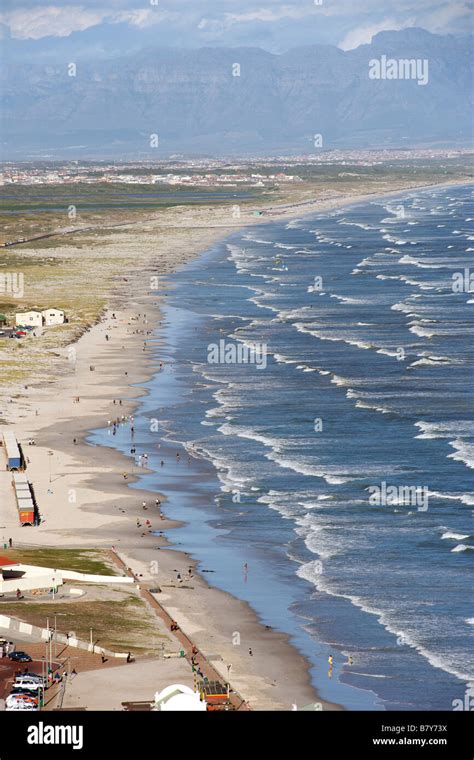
(47, 647)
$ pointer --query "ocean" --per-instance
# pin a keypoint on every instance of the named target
(325, 468)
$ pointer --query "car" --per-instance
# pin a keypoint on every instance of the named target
(27, 683)
(30, 677)
(21, 688)
(21, 705)
(23, 693)
(20, 699)
(20, 657)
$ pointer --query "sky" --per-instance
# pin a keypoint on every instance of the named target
(105, 27)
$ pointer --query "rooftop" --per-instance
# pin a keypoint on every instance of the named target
(4, 561)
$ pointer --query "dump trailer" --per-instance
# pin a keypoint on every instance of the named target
(26, 510)
(12, 451)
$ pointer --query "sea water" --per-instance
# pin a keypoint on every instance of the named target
(367, 386)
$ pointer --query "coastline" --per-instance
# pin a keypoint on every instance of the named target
(95, 475)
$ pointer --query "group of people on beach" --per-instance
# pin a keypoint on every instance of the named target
(148, 522)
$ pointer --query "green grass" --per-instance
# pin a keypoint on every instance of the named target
(124, 625)
(79, 560)
(29, 210)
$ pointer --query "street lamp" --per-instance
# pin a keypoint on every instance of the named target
(55, 630)
(93, 643)
(50, 454)
(56, 615)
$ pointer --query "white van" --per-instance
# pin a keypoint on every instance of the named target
(29, 677)
(25, 682)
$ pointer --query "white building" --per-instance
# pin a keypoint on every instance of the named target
(53, 317)
(29, 318)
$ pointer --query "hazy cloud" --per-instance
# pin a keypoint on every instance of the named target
(443, 19)
(279, 23)
(362, 35)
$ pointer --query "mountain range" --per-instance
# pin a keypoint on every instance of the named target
(224, 101)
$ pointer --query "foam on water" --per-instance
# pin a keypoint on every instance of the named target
(334, 354)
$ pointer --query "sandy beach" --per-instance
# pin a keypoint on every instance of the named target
(84, 498)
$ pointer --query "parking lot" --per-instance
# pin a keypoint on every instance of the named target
(9, 670)
(7, 332)
(15, 332)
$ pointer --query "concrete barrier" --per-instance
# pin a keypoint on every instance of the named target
(46, 577)
(13, 625)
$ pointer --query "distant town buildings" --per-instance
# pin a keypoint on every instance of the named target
(211, 172)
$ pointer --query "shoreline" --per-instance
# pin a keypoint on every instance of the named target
(95, 474)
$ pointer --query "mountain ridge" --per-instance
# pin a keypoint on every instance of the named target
(194, 101)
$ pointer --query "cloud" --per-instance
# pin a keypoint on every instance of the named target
(190, 22)
(60, 21)
(223, 22)
(450, 17)
(362, 35)
(34, 23)
(435, 17)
